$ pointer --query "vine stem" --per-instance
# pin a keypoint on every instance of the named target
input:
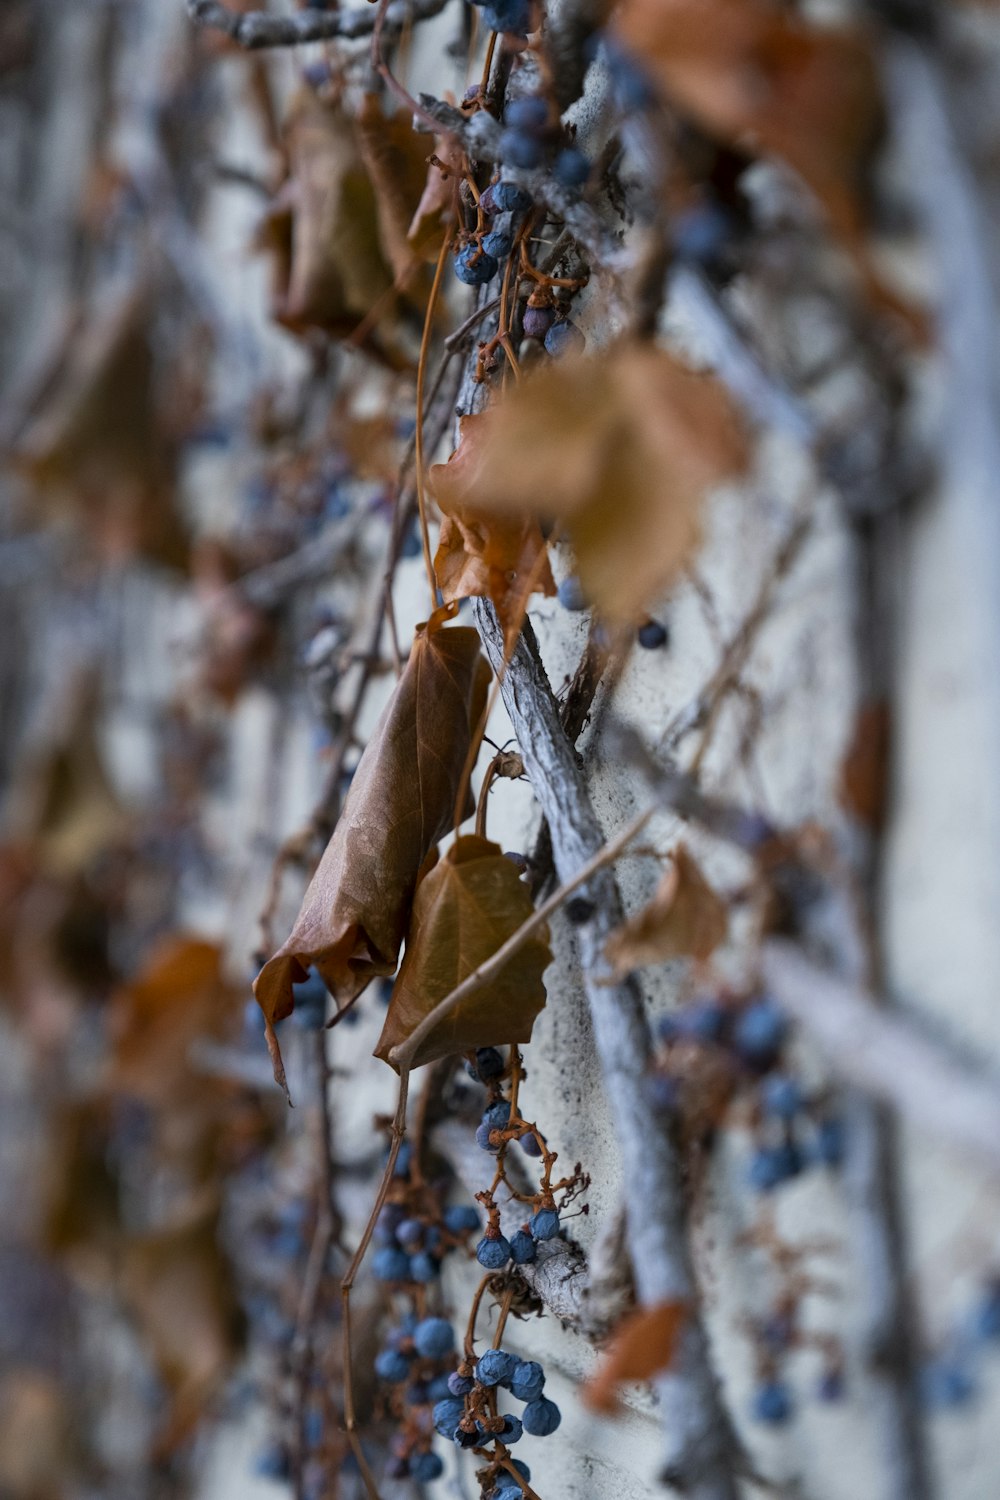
(402, 1055)
(419, 430)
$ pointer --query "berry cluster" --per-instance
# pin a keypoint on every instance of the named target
(469, 1417)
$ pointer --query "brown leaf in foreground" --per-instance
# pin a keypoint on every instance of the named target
(482, 552)
(685, 919)
(470, 903)
(401, 801)
(642, 1346)
(759, 76)
(620, 450)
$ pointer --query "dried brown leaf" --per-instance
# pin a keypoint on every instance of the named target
(481, 552)
(438, 199)
(864, 773)
(620, 450)
(642, 1346)
(465, 908)
(685, 919)
(401, 801)
(758, 76)
(396, 159)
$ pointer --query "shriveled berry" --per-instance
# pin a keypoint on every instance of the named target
(541, 1417)
(497, 1115)
(474, 266)
(483, 1132)
(447, 1415)
(434, 1338)
(426, 1466)
(512, 1430)
(537, 321)
(544, 1225)
(572, 168)
(522, 1248)
(527, 1381)
(563, 338)
(467, 1437)
(460, 1385)
(496, 1367)
(493, 1254)
(504, 198)
(461, 1218)
(653, 635)
(392, 1366)
(489, 1063)
(498, 243)
(520, 149)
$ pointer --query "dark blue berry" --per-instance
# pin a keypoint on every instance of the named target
(467, 1439)
(410, 1232)
(489, 1063)
(527, 1381)
(579, 910)
(512, 1430)
(504, 198)
(571, 168)
(773, 1165)
(483, 1132)
(563, 338)
(663, 1093)
(513, 16)
(498, 1114)
(493, 1254)
(403, 1159)
(544, 1225)
(417, 1394)
(760, 1032)
(702, 1020)
(390, 1264)
(529, 1144)
(537, 321)
(944, 1384)
(522, 1248)
(496, 1367)
(529, 113)
(653, 635)
(830, 1142)
(460, 1385)
(426, 1466)
(392, 1366)
(702, 233)
(781, 1096)
(830, 1386)
(474, 267)
(571, 595)
(273, 1463)
(498, 243)
(424, 1267)
(461, 1218)
(447, 1415)
(772, 1403)
(434, 1338)
(438, 1389)
(541, 1417)
(311, 997)
(520, 149)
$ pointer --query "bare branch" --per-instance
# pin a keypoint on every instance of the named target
(256, 29)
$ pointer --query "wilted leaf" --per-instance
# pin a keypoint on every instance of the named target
(756, 75)
(619, 449)
(329, 270)
(401, 801)
(482, 552)
(469, 904)
(642, 1346)
(685, 919)
(438, 199)
(396, 159)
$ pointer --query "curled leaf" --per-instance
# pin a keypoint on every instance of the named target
(685, 919)
(396, 159)
(642, 1346)
(481, 551)
(401, 801)
(465, 908)
(438, 199)
(620, 451)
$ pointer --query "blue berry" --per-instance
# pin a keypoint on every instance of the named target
(541, 1417)
(522, 1248)
(389, 1264)
(417, 1394)
(504, 198)
(830, 1386)
(529, 1144)
(392, 1366)
(520, 149)
(702, 1020)
(424, 1267)
(497, 1115)
(438, 1389)
(653, 635)
(544, 1225)
(426, 1466)
(313, 1428)
(781, 1096)
(571, 168)
(410, 1232)
(446, 1416)
(474, 267)
(563, 338)
(530, 113)
(537, 321)
(760, 1032)
(944, 1384)
(986, 1319)
(273, 1463)
(498, 243)
(461, 1218)
(527, 1380)
(571, 596)
(702, 232)
(310, 997)
(403, 1159)
(772, 1403)
(460, 1385)
(434, 1338)
(489, 1064)
(493, 1254)
(412, 546)
(512, 1430)
(496, 1367)
(773, 1165)
(468, 1438)
(483, 1133)
(663, 1093)
(830, 1142)
(513, 16)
